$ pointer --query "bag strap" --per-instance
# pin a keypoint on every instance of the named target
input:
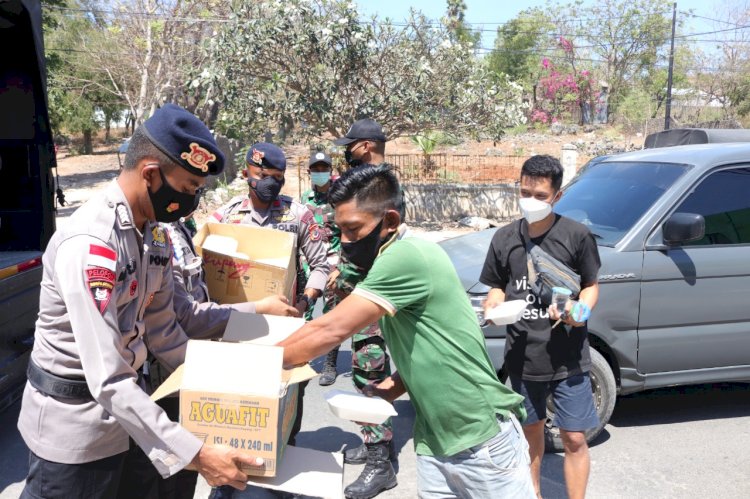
(528, 244)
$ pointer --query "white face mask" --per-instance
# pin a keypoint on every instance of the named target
(534, 210)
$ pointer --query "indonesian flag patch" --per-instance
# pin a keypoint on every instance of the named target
(100, 281)
(101, 256)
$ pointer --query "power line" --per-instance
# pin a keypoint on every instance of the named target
(711, 19)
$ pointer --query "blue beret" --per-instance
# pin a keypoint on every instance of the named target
(185, 139)
(266, 155)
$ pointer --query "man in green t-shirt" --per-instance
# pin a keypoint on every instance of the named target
(467, 437)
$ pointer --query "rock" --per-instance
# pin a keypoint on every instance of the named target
(572, 129)
(588, 128)
(556, 129)
(493, 152)
(477, 223)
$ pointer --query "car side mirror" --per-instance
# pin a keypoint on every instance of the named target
(683, 228)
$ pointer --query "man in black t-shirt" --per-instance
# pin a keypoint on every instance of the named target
(542, 358)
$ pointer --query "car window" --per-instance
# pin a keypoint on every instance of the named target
(722, 198)
(609, 198)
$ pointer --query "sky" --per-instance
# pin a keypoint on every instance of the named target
(488, 14)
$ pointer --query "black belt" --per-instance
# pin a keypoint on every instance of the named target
(56, 386)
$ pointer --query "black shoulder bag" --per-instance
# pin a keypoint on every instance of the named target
(547, 272)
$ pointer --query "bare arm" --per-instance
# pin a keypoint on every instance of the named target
(590, 295)
(322, 334)
(390, 388)
(495, 297)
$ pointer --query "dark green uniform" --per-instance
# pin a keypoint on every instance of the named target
(370, 361)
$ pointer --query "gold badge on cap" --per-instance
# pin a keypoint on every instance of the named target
(198, 157)
(258, 156)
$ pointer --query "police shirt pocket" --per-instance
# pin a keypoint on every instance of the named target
(154, 279)
(126, 290)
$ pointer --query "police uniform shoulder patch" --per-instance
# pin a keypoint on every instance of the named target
(198, 157)
(159, 238)
(100, 282)
(315, 233)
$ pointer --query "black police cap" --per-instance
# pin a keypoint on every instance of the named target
(364, 129)
(266, 155)
(185, 139)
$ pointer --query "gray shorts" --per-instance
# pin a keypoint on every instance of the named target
(572, 398)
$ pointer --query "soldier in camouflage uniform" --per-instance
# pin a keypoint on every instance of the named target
(316, 200)
(365, 146)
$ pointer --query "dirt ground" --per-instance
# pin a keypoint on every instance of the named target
(80, 176)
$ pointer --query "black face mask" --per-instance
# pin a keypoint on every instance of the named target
(266, 189)
(363, 252)
(350, 160)
(169, 204)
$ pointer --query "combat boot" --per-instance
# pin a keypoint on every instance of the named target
(358, 455)
(377, 476)
(328, 374)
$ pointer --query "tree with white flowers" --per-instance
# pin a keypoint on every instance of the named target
(314, 66)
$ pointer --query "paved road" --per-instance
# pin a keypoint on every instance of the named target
(689, 442)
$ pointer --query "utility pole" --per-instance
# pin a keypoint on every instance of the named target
(668, 113)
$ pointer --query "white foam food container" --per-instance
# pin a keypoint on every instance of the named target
(506, 313)
(220, 244)
(358, 407)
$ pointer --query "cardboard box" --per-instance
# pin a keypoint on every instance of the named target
(237, 393)
(270, 268)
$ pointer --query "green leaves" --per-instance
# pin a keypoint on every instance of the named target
(318, 69)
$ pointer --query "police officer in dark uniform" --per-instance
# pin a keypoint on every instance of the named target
(106, 301)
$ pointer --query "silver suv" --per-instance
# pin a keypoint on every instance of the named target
(673, 228)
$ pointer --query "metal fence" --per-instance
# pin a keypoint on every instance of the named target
(437, 169)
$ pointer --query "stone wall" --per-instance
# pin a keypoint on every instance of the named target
(444, 202)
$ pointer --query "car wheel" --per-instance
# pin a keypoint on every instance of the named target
(604, 388)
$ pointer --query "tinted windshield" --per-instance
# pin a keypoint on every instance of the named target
(609, 198)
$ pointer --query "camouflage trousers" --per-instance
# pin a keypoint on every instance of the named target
(330, 300)
(371, 365)
(329, 297)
